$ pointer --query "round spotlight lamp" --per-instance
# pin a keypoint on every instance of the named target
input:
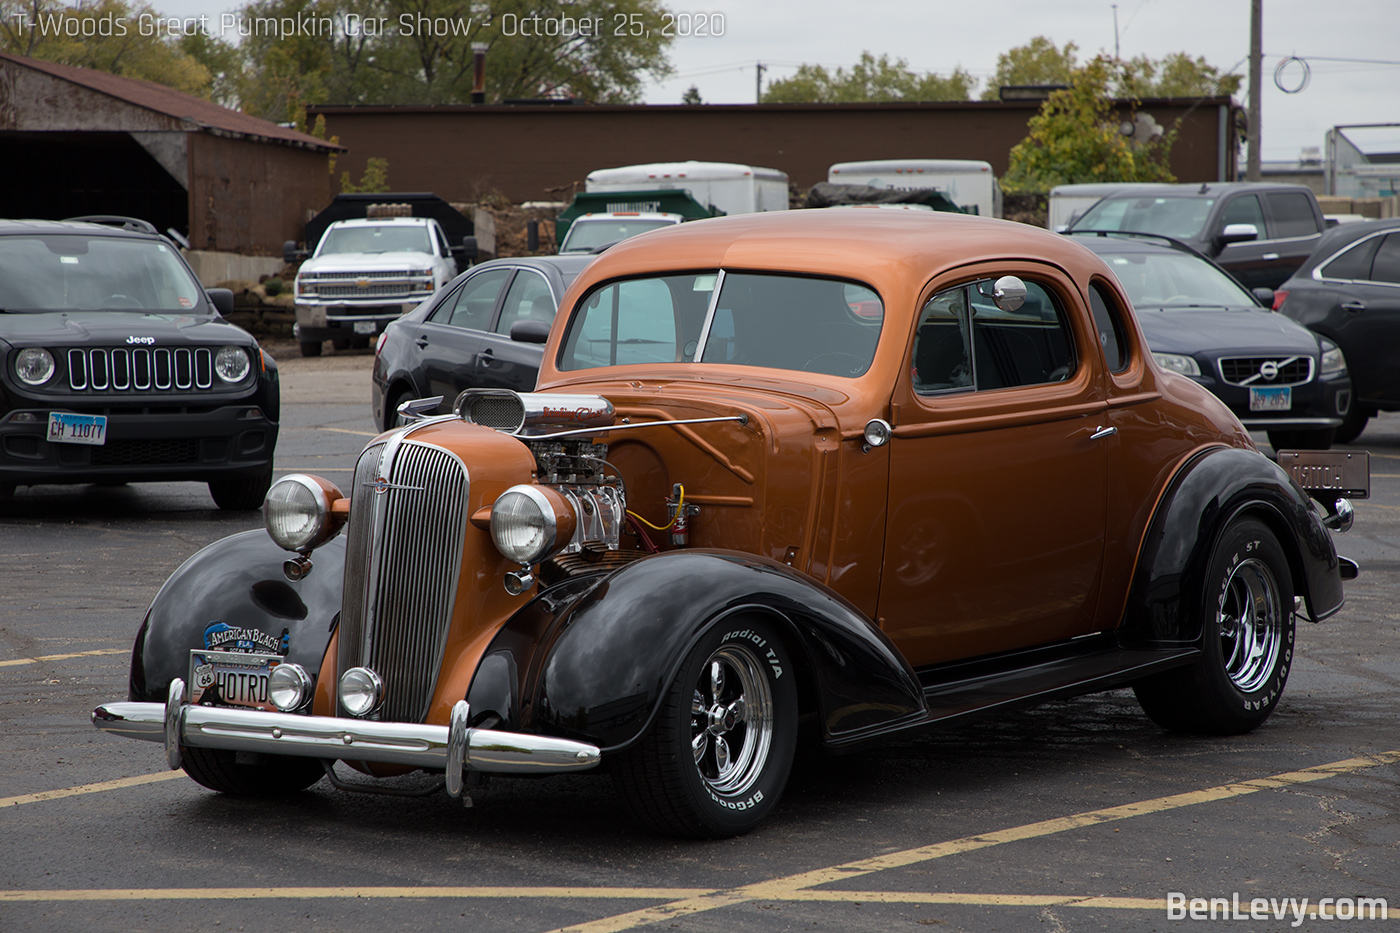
(361, 691)
(289, 687)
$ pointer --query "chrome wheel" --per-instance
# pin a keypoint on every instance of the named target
(731, 720)
(1251, 623)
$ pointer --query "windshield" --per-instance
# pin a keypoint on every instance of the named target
(790, 322)
(1176, 280)
(1182, 218)
(388, 238)
(66, 272)
(587, 235)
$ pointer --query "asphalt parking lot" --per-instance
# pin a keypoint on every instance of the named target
(1080, 815)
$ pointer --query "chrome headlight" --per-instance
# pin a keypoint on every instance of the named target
(232, 364)
(528, 523)
(34, 366)
(361, 691)
(1332, 359)
(1175, 362)
(289, 687)
(299, 512)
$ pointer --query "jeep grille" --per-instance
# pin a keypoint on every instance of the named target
(403, 557)
(140, 369)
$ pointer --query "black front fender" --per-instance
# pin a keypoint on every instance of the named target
(1164, 605)
(593, 657)
(238, 581)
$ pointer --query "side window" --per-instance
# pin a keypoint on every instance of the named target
(626, 322)
(473, 302)
(528, 299)
(964, 340)
(1386, 267)
(1355, 263)
(1244, 210)
(1108, 322)
(1293, 214)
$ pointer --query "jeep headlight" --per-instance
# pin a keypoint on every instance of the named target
(304, 512)
(34, 366)
(528, 523)
(231, 363)
(1176, 363)
(1332, 359)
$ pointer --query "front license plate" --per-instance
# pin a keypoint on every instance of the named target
(1336, 472)
(1274, 398)
(364, 327)
(77, 429)
(231, 678)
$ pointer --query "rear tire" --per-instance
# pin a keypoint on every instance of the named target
(719, 752)
(310, 348)
(1302, 440)
(273, 776)
(241, 495)
(1247, 642)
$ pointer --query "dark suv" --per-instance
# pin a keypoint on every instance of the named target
(1260, 233)
(117, 366)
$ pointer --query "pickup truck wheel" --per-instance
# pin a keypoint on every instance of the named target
(341, 344)
(310, 348)
(719, 752)
(241, 495)
(1247, 643)
(271, 776)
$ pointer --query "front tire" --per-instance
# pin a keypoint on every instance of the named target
(241, 495)
(271, 776)
(1247, 642)
(1354, 422)
(718, 755)
(310, 348)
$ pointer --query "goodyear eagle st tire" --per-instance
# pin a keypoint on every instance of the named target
(1247, 643)
(718, 755)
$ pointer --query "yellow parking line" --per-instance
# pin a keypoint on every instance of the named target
(348, 431)
(233, 894)
(64, 657)
(89, 788)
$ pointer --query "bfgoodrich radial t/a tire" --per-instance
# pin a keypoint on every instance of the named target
(718, 755)
(1247, 645)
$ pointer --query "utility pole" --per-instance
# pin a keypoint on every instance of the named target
(758, 82)
(1256, 66)
(1116, 56)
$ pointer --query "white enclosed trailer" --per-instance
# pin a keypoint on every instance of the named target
(967, 183)
(727, 186)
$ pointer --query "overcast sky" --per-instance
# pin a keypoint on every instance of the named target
(1350, 47)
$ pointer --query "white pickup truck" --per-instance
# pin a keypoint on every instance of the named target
(364, 274)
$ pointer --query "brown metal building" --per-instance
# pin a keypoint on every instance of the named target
(76, 141)
(530, 152)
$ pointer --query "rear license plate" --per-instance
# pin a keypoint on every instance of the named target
(1273, 398)
(1336, 472)
(77, 429)
(364, 327)
(231, 678)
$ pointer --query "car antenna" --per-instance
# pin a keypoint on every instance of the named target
(1204, 188)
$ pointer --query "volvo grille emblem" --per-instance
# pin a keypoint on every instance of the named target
(380, 485)
(1269, 370)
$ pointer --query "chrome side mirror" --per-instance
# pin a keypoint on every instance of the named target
(1009, 293)
(1239, 233)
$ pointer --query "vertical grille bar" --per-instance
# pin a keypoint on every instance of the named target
(203, 368)
(77, 370)
(121, 370)
(141, 368)
(359, 535)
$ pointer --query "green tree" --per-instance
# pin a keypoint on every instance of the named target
(104, 34)
(375, 178)
(1075, 138)
(1039, 61)
(870, 79)
(1176, 75)
(691, 96)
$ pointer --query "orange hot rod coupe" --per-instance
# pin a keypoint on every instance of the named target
(863, 471)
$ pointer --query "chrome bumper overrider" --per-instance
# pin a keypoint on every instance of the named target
(455, 748)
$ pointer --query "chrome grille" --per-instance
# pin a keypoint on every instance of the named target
(353, 276)
(385, 290)
(141, 369)
(403, 559)
(1249, 370)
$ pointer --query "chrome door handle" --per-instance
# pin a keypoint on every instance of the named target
(1103, 432)
(1269, 257)
(1353, 306)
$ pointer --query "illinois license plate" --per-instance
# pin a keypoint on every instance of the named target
(1272, 398)
(231, 678)
(364, 327)
(1337, 472)
(77, 429)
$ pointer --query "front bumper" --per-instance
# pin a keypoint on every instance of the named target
(316, 321)
(453, 748)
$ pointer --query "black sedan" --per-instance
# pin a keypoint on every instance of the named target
(1275, 375)
(1349, 292)
(117, 366)
(485, 329)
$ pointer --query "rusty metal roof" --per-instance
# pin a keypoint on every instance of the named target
(199, 113)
